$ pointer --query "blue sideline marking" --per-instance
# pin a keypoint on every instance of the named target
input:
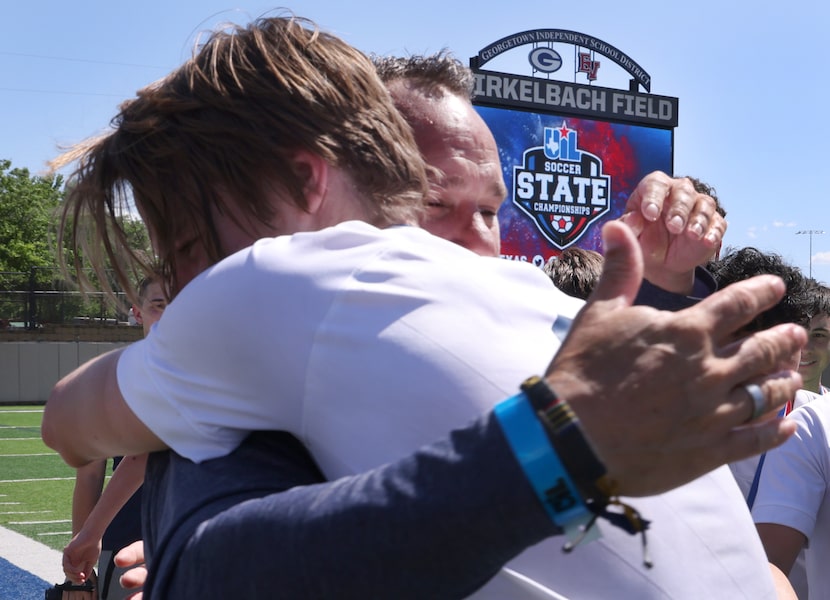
(17, 584)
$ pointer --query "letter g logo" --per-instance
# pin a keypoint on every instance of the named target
(544, 59)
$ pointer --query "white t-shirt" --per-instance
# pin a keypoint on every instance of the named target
(744, 473)
(368, 344)
(744, 470)
(793, 489)
(364, 343)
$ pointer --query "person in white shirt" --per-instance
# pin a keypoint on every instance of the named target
(815, 357)
(797, 306)
(791, 511)
(365, 337)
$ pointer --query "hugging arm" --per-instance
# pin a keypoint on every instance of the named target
(443, 521)
(88, 399)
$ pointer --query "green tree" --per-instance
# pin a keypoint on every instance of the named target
(29, 215)
(137, 234)
(27, 208)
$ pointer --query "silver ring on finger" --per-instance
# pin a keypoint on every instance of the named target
(759, 400)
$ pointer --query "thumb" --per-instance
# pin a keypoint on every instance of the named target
(622, 271)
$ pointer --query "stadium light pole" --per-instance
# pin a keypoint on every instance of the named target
(811, 233)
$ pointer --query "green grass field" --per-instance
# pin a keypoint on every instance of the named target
(35, 484)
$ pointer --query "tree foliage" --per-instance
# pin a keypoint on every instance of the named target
(29, 215)
(28, 204)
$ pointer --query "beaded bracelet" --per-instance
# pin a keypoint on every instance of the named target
(574, 466)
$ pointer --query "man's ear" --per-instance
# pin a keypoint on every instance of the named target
(139, 318)
(313, 170)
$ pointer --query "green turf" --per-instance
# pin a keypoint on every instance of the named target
(27, 445)
(26, 417)
(29, 467)
(35, 484)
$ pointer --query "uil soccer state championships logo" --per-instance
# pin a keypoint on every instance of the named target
(561, 187)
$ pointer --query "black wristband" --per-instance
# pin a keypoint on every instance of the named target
(586, 470)
(562, 426)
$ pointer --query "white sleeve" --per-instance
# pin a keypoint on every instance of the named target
(206, 376)
(793, 479)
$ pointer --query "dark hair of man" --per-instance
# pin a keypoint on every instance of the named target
(797, 304)
(221, 130)
(820, 296)
(575, 271)
(430, 73)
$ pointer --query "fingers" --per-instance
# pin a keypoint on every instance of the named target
(702, 218)
(132, 558)
(726, 311)
(130, 555)
(764, 352)
(622, 271)
(750, 401)
(753, 363)
(758, 401)
(76, 574)
(680, 204)
(705, 222)
(684, 209)
(757, 438)
(647, 199)
(740, 443)
(134, 578)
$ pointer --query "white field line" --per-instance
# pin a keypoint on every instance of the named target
(27, 455)
(40, 479)
(27, 512)
(39, 522)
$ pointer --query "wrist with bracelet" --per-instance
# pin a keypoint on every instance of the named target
(569, 479)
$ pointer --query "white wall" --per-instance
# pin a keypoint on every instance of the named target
(29, 370)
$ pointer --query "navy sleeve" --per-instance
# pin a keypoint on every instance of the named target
(438, 524)
(651, 295)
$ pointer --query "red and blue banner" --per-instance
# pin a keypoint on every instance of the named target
(559, 200)
(571, 152)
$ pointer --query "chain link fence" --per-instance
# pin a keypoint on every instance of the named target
(31, 300)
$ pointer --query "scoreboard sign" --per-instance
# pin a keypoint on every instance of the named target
(571, 150)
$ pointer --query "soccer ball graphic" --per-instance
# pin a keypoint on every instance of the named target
(562, 223)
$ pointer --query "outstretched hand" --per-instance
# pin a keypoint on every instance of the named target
(678, 229)
(660, 394)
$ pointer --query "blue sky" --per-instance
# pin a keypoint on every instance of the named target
(752, 82)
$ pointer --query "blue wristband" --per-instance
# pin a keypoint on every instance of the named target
(541, 465)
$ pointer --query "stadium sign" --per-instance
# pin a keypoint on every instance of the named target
(571, 150)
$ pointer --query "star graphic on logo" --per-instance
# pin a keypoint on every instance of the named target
(563, 131)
